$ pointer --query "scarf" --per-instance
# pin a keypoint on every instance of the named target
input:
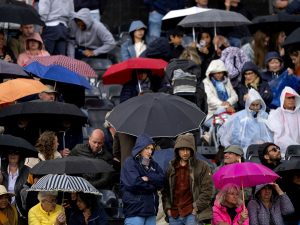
(220, 88)
(254, 84)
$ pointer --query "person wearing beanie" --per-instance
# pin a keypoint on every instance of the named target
(135, 45)
(251, 78)
(141, 178)
(269, 155)
(284, 121)
(188, 188)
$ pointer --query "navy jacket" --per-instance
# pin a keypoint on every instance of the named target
(98, 217)
(140, 197)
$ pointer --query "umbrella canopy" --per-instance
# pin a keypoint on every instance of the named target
(42, 112)
(122, 72)
(156, 114)
(62, 69)
(19, 12)
(214, 18)
(293, 40)
(65, 183)
(13, 90)
(247, 174)
(9, 142)
(71, 165)
(287, 166)
(11, 70)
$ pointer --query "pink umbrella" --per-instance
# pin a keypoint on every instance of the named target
(247, 174)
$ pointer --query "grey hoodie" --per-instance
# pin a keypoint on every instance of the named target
(95, 37)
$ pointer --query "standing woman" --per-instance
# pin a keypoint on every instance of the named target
(141, 178)
(134, 46)
(269, 206)
(228, 207)
(8, 213)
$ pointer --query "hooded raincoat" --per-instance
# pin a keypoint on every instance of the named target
(284, 123)
(95, 37)
(213, 100)
(140, 197)
(244, 127)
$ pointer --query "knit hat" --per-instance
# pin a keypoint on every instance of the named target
(250, 66)
(185, 141)
(262, 150)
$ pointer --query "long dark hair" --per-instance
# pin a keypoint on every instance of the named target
(90, 200)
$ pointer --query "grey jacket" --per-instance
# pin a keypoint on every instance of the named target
(260, 215)
(95, 37)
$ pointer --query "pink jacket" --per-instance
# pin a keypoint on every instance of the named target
(220, 215)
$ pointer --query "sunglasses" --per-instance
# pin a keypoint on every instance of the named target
(274, 149)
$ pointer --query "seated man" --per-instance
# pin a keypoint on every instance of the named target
(269, 155)
(48, 95)
(248, 126)
(91, 37)
(284, 121)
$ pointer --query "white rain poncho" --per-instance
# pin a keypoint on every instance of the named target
(285, 123)
(243, 129)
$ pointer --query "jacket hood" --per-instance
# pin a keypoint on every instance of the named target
(84, 14)
(185, 141)
(259, 187)
(253, 95)
(290, 91)
(37, 37)
(272, 55)
(216, 66)
(250, 66)
(142, 141)
(136, 25)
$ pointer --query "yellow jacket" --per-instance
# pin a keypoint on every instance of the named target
(38, 216)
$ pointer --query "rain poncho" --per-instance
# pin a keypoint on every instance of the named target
(285, 123)
(243, 128)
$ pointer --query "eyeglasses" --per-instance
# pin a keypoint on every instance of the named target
(274, 149)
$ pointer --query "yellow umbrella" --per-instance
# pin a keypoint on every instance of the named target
(15, 89)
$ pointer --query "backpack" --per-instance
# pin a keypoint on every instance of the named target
(183, 82)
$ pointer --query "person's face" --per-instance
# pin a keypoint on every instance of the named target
(296, 179)
(4, 201)
(184, 153)
(147, 152)
(218, 76)
(273, 153)
(49, 97)
(206, 37)
(176, 40)
(80, 24)
(201, 3)
(230, 157)
(250, 76)
(139, 34)
(33, 45)
(281, 37)
(142, 76)
(294, 58)
(96, 142)
(27, 30)
(81, 204)
(49, 203)
(266, 193)
(13, 158)
(274, 65)
(255, 106)
(289, 103)
(232, 197)
(281, 4)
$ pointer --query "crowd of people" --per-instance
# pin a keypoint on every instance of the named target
(232, 75)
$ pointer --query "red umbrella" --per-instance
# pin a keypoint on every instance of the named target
(61, 62)
(121, 73)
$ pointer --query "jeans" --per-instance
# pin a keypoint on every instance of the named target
(187, 220)
(139, 220)
(154, 26)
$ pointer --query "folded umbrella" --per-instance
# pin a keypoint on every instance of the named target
(15, 89)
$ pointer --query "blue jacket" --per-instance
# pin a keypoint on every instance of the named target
(127, 50)
(140, 197)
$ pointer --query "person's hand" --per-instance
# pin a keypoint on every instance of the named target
(169, 212)
(144, 178)
(244, 216)
(88, 53)
(290, 71)
(65, 152)
(230, 109)
(226, 104)
(61, 219)
(87, 214)
(193, 44)
(227, 4)
(7, 58)
(194, 212)
(277, 188)
(245, 97)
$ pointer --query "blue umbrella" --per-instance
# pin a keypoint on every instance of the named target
(57, 73)
(164, 156)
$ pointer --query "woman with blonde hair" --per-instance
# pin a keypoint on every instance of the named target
(229, 208)
(47, 145)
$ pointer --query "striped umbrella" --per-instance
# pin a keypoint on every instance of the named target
(65, 183)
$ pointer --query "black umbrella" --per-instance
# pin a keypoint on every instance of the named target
(275, 23)
(287, 166)
(42, 112)
(19, 12)
(156, 114)
(71, 165)
(11, 70)
(293, 40)
(12, 143)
